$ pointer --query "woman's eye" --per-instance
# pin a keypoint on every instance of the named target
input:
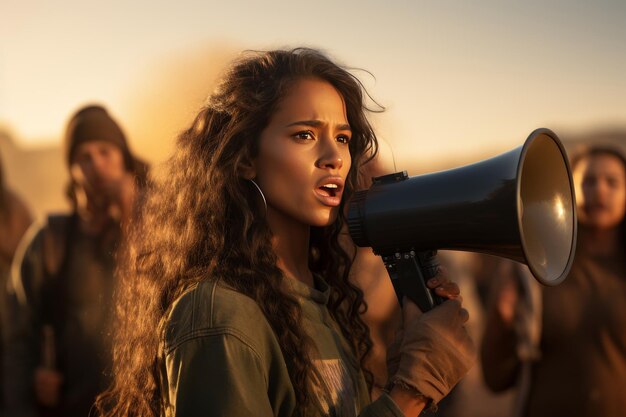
(343, 139)
(306, 135)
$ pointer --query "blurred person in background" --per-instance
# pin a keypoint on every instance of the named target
(565, 346)
(473, 272)
(15, 217)
(59, 299)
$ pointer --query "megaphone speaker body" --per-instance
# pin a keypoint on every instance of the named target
(519, 205)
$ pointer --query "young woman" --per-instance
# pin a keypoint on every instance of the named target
(576, 360)
(236, 298)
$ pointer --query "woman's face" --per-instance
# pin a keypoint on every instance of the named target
(600, 191)
(304, 155)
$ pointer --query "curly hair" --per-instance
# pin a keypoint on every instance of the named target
(199, 222)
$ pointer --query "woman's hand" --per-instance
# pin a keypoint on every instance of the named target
(435, 350)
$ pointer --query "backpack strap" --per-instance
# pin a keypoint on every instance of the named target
(55, 236)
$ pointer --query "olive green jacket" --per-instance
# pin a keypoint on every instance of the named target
(220, 357)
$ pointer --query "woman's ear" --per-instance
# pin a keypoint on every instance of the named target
(247, 169)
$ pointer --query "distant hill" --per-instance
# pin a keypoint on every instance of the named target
(38, 175)
(612, 136)
(572, 141)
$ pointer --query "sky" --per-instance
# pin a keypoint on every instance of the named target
(455, 77)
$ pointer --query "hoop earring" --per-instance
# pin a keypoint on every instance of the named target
(260, 192)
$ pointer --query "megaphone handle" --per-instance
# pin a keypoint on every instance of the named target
(429, 267)
(409, 272)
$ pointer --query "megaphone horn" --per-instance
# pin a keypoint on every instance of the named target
(519, 205)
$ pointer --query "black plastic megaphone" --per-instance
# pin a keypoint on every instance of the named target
(519, 205)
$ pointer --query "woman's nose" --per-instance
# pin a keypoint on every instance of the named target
(330, 157)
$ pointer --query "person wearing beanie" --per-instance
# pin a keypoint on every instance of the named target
(94, 122)
(102, 168)
(59, 300)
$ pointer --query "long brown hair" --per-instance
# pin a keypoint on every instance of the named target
(199, 223)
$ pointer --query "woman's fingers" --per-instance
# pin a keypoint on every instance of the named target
(443, 286)
(448, 290)
(440, 278)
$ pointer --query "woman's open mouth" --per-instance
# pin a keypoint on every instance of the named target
(329, 191)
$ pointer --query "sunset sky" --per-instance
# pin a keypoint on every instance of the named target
(456, 77)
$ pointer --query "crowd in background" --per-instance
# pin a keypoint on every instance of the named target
(545, 351)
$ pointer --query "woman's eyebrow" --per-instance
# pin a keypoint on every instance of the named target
(317, 123)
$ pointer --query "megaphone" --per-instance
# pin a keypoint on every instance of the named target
(519, 205)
